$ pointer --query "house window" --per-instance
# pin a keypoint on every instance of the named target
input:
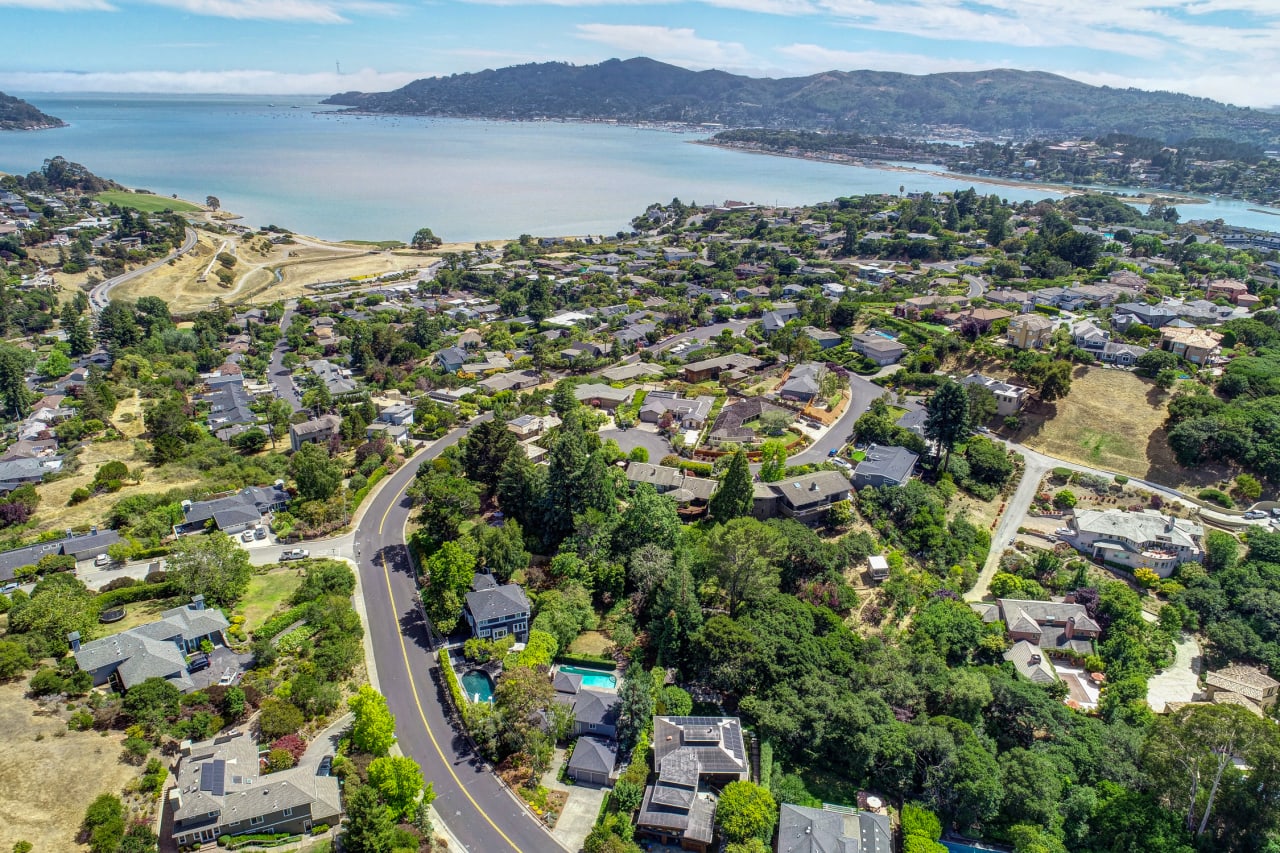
(499, 633)
(518, 627)
(288, 812)
(257, 821)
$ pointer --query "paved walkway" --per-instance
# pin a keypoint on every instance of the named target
(1181, 681)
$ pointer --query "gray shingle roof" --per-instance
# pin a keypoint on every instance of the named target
(499, 602)
(888, 463)
(595, 707)
(802, 829)
(594, 755)
(151, 650)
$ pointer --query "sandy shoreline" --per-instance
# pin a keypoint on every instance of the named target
(1031, 186)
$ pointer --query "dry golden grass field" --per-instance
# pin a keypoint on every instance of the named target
(49, 775)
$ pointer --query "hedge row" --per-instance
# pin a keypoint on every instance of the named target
(137, 592)
(360, 495)
(586, 660)
(279, 622)
(266, 839)
(451, 678)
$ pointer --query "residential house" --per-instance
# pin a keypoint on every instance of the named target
(532, 426)
(451, 359)
(603, 396)
(1009, 398)
(15, 473)
(1125, 355)
(635, 334)
(593, 761)
(470, 340)
(832, 829)
(1088, 337)
(232, 513)
(516, 380)
(1251, 684)
(782, 313)
(806, 499)
(1155, 316)
(1049, 625)
(689, 414)
(337, 380)
(877, 567)
(393, 433)
(1197, 346)
(155, 650)
(1030, 331)
(690, 754)
(582, 350)
(221, 791)
(1030, 661)
(884, 466)
(803, 383)
(824, 338)
(83, 547)
(1016, 299)
(1135, 540)
(880, 348)
(229, 405)
(711, 368)
(315, 431)
(631, 372)
(979, 320)
(680, 486)
(400, 414)
(595, 712)
(495, 611)
(731, 423)
(1228, 289)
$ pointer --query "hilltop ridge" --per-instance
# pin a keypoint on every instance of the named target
(997, 102)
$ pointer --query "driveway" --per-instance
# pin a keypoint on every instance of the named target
(223, 663)
(581, 809)
(629, 439)
(862, 392)
(1181, 681)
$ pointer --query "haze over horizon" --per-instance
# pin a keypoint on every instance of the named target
(1221, 49)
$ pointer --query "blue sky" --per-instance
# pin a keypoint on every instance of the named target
(1222, 49)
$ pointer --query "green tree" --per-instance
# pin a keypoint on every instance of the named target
(649, 519)
(58, 605)
(212, 565)
(446, 501)
(14, 659)
(733, 496)
(374, 728)
(104, 823)
(425, 238)
(13, 381)
(152, 703)
(1055, 381)
(773, 460)
(56, 365)
(278, 414)
(277, 718)
(564, 613)
(746, 811)
(743, 556)
(947, 421)
(398, 781)
(635, 704)
(447, 576)
(500, 550)
(317, 476)
(369, 827)
(1221, 551)
(170, 428)
(485, 451)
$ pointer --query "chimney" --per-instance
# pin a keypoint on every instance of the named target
(74, 639)
(197, 601)
(186, 508)
(1069, 629)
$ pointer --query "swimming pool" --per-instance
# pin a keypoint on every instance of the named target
(593, 677)
(957, 847)
(478, 686)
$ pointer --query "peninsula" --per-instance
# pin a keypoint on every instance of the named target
(998, 102)
(17, 114)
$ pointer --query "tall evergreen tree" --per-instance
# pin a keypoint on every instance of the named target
(948, 418)
(369, 825)
(732, 498)
(485, 451)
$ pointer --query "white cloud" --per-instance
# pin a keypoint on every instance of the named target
(1241, 87)
(313, 11)
(680, 46)
(237, 82)
(59, 5)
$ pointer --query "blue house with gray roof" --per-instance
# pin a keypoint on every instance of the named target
(495, 611)
(155, 650)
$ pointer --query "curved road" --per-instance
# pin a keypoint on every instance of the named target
(100, 296)
(483, 815)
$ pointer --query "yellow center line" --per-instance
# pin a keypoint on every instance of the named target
(404, 651)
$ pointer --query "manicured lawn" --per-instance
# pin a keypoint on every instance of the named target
(267, 594)
(146, 202)
(590, 643)
(381, 244)
(857, 455)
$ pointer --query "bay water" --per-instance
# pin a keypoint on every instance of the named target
(292, 162)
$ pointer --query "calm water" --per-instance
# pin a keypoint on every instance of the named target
(377, 178)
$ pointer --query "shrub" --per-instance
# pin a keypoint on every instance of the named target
(280, 759)
(278, 718)
(1216, 496)
(79, 496)
(1064, 499)
(46, 682)
(80, 721)
(291, 744)
(1120, 479)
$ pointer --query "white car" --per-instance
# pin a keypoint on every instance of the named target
(247, 536)
(102, 560)
(1255, 514)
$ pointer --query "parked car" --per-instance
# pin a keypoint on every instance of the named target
(102, 560)
(326, 764)
(198, 662)
(1255, 513)
(294, 554)
(247, 536)
(259, 533)
(9, 587)
(835, 451)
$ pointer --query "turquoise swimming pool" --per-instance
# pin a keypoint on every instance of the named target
(478, 686)
(957, 847)
(593, 677)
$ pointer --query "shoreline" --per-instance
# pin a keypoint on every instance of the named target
(1140, 195)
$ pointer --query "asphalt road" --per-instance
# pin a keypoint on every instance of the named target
(280, 377)
(864, 392)
(482, 814)
(100, 296)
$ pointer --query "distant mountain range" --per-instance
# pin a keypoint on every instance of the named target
(17, 114)
(999, 102)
